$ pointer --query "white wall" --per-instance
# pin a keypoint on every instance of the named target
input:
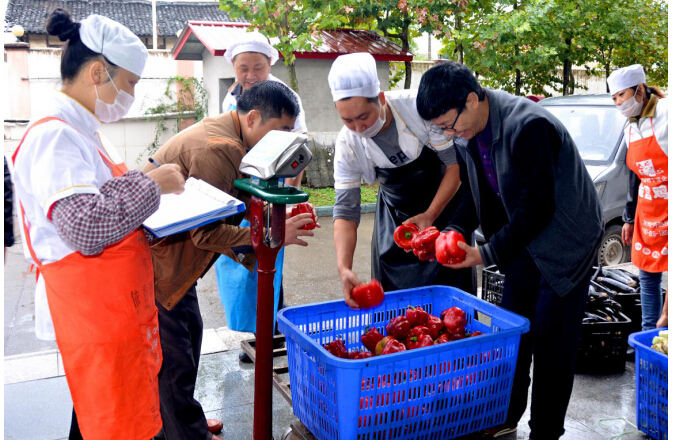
(131, 137)
(312, 78)
(44, 77)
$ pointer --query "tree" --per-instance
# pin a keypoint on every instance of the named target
(295, 23)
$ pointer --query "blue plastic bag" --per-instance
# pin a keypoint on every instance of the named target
(238, 290)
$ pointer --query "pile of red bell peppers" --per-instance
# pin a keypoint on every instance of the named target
(430, 243)
(415, 329)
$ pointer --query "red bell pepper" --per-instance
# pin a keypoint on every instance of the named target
(404, 234)
(425, 239)
(360, 355)
(417, 316)
(368, 295)
(398, 327)
(418, 341)
(304, 207)
(457, 336)
(393, 346)
(337, 348)
(371, 338)
(424, 255)
(447, 250)
(381, 344)
(476, 333)
(455, 320)
(442, 339)
(435, 326)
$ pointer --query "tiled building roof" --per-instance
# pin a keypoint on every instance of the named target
(134, 14)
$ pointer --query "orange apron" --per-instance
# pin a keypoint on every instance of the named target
(105, 320)
(649, 244)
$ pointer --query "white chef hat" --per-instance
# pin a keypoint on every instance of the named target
(252, 42)
(114, 41)
(625, 78)
(354, 74)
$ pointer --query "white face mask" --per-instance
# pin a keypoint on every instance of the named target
(375, 128)
(631, 108)
(109, 113)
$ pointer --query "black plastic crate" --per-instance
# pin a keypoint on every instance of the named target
(630, 302)
(603, 346)
(492, 285)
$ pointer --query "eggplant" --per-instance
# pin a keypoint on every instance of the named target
(594, 316)
(613, 304)
(612, 313)
(610, 273)
(603, 314)
(592, 320)
(634, 277)
(627, 277)
(616, 285)
(596, 273)
(594, 292)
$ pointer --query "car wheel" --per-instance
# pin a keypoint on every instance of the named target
(612, 251)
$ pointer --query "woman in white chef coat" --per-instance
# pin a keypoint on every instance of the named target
(81, 211)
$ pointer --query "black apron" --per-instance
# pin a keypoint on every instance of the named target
(404, 192)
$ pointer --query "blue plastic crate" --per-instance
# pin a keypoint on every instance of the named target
(438, 392)
(651, 376)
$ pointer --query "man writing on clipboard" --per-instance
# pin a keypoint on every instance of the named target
(210, 150)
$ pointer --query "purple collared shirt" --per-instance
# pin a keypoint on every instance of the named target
(483, 140)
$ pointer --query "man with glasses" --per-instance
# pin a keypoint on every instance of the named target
(542, 220)
(385, 140)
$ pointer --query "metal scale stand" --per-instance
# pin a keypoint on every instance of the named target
(277, 156)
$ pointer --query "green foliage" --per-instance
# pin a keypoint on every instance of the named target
(189, 100)
(295, 23)
(520, 46)
(326, 196)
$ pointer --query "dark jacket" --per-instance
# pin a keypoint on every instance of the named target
(9, 219)
(551, 203)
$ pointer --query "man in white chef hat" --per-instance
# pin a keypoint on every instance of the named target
(384, 139)
(252, 57)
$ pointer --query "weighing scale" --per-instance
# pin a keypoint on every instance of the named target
(277, 156)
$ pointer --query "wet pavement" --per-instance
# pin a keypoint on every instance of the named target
(37, 404)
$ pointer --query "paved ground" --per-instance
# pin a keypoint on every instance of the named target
(37, 404)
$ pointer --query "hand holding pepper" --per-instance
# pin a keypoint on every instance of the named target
(446, 249)
(473, 257)
(368, 295)
(305, 207)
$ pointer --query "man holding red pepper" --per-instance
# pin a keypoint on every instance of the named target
(385, 140)
(543, 222)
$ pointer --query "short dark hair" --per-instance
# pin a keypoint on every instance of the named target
(271, 98)
(444, 87)
(75, 54)
(374, 99)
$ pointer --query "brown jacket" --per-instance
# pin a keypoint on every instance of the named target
(210, 150)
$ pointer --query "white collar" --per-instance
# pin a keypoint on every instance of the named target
(75, 114)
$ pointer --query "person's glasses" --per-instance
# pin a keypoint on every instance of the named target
(442, 129)
(451, 128)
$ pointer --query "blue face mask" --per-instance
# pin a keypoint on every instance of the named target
(109, 113)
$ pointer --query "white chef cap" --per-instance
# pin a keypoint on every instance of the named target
(625, 78)
(354, 75)
(252, 42)
(114, 41)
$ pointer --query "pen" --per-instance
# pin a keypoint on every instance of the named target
(154, 162)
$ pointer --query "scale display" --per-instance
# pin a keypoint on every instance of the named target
(278, 154)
